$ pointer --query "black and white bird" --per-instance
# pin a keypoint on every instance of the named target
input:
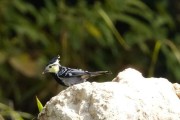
(69, 76)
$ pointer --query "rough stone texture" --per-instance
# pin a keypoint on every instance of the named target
(129, 97)
(177, 89)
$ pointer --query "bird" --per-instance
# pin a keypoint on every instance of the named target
(66, 76)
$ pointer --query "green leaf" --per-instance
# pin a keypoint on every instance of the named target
(110, 24)
(39, 104)
(92, 29)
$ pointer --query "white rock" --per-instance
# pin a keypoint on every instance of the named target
(130, 96)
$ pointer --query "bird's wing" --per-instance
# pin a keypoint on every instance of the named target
(68, 72)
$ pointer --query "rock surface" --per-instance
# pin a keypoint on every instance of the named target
(129, 97)
(177, 89)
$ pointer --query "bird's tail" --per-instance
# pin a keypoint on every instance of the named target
(93, 74)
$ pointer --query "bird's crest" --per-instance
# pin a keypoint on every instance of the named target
(55, 60)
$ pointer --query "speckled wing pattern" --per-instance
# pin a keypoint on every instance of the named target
(69, 76)
(65, 72)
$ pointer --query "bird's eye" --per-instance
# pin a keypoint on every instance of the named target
(50, 66)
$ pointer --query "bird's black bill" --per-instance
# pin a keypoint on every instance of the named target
(44, 72)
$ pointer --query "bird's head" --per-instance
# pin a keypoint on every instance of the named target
(53, 66)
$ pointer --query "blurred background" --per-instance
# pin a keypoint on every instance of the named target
(88, 34)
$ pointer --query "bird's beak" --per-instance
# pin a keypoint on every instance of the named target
(44, 72)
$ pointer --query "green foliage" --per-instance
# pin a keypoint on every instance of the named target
(8, 113)
(39, 104)
(93, 35)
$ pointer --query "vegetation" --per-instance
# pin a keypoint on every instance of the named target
(92, 35)
(39, 104)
